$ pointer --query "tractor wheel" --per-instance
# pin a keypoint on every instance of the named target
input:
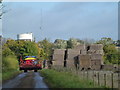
(35, 70)
(25, 70)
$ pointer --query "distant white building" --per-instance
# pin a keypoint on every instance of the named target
(26, 37)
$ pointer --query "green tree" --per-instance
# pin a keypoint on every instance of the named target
(23, 47)
(30, 49)
(60, 44)
(111, 54)
(9, 60)
(105, 41)
(6, 51)
(72, 42)
(47, 46)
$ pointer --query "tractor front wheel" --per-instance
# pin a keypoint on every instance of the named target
(35, 70)
(25, 70)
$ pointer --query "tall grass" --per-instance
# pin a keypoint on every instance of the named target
(57, 79)
(9, 67)
(9, 63)
(0, 78)
(9, 74)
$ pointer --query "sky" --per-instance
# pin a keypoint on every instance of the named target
(61, 20)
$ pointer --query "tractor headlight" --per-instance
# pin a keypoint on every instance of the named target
(35, 62)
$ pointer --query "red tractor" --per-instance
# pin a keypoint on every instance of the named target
(30, 63)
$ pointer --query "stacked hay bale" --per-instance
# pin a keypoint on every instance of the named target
(87, 57)
(96, 61)
(93, 58)
(95, 49)
(71, 54)
(82, 49)
(84, 61)
(58, 57)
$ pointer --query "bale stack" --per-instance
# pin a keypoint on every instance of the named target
(108, 67)
(80, 47)
(95, 49)
(71, 54)
(84, 61)
(83, 52)
(96, 61)
(58, 57)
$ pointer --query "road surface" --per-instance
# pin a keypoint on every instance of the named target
(26, 80)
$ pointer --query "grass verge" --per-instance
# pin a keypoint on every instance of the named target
(56, 79)
(9, 75)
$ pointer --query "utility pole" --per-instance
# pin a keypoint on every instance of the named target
(41, 24)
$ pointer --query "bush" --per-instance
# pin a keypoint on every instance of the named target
(9, 63)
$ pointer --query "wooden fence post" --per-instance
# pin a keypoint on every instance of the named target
(93, 77)
(83, 74)
(105, 80)
(98, 79)
(112, 80)
(87, 74)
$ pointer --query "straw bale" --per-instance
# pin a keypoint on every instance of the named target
(96, 56)
(91, 52)
(84, 52)
(59, 63)
(96, 47)
(59, 51)
(58, 57)
(95, 52)
(80, 57)
(85, 61)
(70, 63)
(71, 56)
(99, 52)
(108, 67)
(96, 67)
(73, 51)
(80, 47)
(96, 62)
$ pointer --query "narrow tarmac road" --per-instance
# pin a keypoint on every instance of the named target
(26, 80)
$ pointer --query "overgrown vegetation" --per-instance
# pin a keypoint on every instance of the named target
(9, 63)
(22, 48)
(46, 46)
(9, 74)
(57, 79)
(111, 53)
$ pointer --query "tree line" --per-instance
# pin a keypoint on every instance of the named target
(13, 49)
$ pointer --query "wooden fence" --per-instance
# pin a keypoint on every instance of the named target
(102, 78)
